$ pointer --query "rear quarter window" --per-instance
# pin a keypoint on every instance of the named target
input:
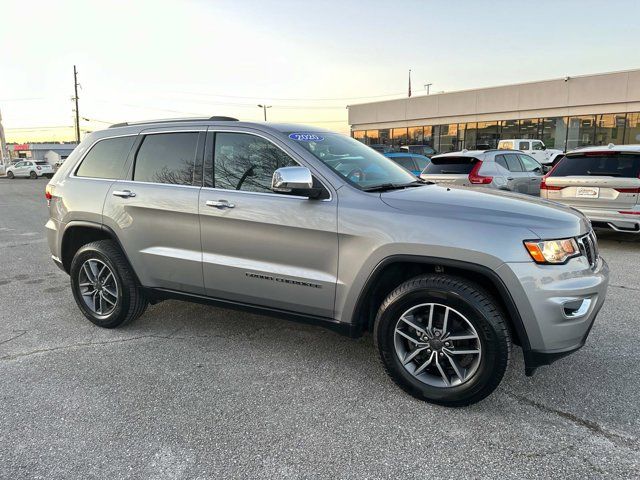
(606, 165)
(106, 158)
(450, 166)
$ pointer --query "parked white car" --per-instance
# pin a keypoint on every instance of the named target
(30, 169)
(535, 148)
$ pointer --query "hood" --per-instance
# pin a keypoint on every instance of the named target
(543, 218)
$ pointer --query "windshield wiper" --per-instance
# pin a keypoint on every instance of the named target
(396, 186)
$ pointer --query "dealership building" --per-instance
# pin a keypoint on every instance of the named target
(564, 113)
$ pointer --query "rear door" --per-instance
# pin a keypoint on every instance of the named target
(518, 179)
(450, 170)
(259, 247)
(154, 208)
(596, 179)
(534, 171)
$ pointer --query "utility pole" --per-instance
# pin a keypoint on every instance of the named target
(4, 154)
(264, 109)
(75, 98)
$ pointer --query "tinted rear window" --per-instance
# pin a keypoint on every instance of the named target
(106, 158)
(167, 158)
(607, 165)
(450, 166)
(42, 163)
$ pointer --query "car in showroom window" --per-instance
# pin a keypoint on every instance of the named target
(360, 165)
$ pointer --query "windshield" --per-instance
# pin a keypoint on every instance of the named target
(360, 165)
(599, 164)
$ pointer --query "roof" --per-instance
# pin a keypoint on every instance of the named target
(217, 120)
(606, 148)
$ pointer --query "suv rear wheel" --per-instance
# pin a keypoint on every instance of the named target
(443, 339)
(104, 285)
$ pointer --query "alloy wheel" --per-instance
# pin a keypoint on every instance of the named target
(98, 287)
(437, 345)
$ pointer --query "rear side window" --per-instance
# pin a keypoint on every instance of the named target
(42, 163)
(500, 160)
(106, 158)
(167, 158)
(606, 165)
(421, 162)
(450, 166)
(406, 162)
(523, 146)
(513, 164)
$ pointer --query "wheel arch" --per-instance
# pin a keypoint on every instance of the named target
(79, 233)
(395, 269)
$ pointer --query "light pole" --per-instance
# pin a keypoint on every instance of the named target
(427, 86)
(264, 109)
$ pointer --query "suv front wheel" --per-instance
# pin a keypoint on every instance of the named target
(104, 285)
(443, 339)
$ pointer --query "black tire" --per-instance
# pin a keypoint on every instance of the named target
(10, 175)
(33, 175)
(131, 302)
(479, 308)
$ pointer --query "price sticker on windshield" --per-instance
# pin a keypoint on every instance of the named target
(306, 137)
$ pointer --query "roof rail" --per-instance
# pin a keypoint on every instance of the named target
(172, 120)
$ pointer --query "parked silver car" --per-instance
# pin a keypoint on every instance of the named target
(310, 225)
(502, 169)
(602, 182)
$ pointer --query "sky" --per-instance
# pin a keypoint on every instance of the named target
(142, 60)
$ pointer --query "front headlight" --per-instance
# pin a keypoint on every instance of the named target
(552, 251)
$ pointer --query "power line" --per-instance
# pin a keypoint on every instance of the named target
(290, 99)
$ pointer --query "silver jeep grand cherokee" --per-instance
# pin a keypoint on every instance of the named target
(314, 226)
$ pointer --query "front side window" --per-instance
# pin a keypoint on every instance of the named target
(106, 158)
(537, 146)
(523, 146)
(246, 162)
(362, 166)
(167, 158)
(530, 165)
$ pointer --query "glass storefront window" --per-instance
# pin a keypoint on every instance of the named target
(372, 137)
(448, 139)
(462, 130)
(632, 132)
(427, 136)
(509, 129)
(581, 131)
(609, 129)
(416, 135)
(384, 136)
(399, 136)
(554, 132)
(360, 135)
(470, 136)
(529, 128)
(487, 135)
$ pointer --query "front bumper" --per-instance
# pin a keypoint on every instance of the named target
(558, 305)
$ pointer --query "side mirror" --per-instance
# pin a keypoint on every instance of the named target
(294, 181)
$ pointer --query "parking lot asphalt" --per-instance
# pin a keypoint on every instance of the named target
(191, 391)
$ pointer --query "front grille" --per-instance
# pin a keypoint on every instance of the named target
(589, 248)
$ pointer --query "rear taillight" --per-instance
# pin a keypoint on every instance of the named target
(48, 193)
(628, 190)
(478, 179)
(544, 186)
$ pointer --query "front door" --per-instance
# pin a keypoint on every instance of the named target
(261, 248)
(154, 209)
(534, 171)
(518, 179)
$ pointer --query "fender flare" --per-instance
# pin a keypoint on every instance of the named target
(512, 309)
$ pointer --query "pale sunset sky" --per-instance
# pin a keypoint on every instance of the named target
(154, 59)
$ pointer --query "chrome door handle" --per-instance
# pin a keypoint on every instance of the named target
(123, 193)
(219, 204)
